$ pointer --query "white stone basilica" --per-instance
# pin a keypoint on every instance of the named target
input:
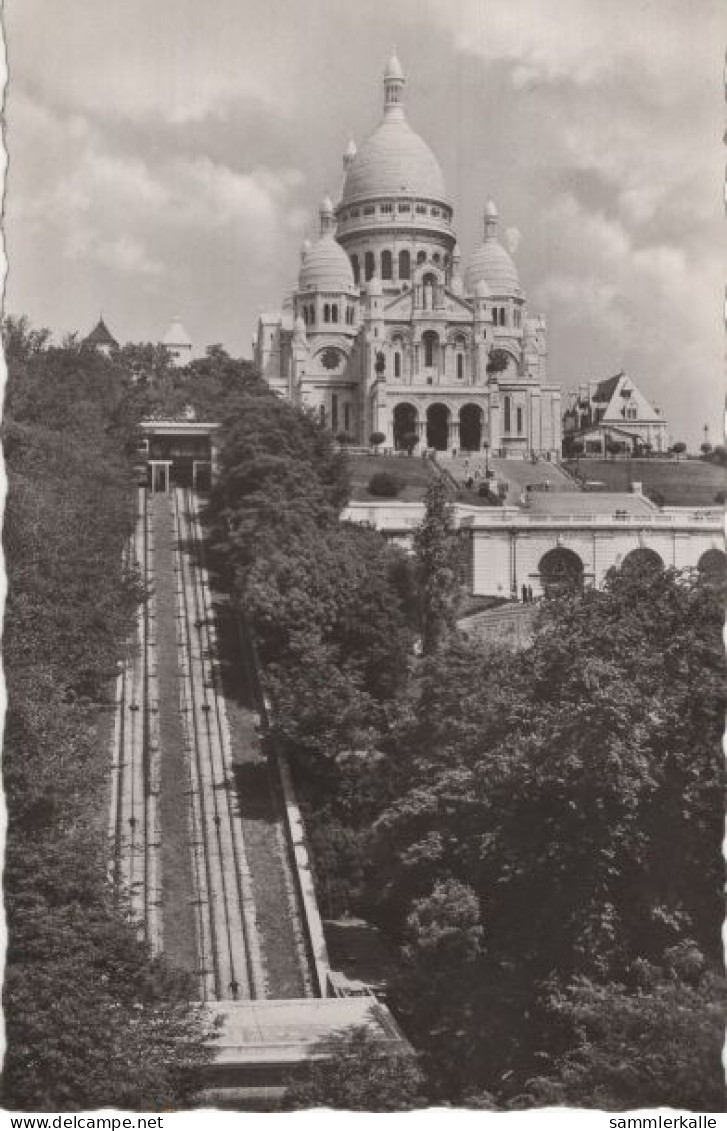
(382, 333)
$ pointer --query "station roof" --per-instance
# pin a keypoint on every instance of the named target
(291, 1031)
(178, 427)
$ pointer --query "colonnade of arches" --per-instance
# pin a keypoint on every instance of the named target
(561, 569)
(440, 428)
(391, 266)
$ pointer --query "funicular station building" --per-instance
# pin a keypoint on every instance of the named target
(178, 453)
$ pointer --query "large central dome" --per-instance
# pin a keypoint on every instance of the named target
(393, 159)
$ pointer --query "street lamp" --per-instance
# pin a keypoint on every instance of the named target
(486, 450)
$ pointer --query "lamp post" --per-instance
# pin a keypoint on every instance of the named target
(486, 450)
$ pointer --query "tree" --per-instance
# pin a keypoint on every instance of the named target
(679, 448)
(497, 361)
(360, 1073)
(654, 1044)
(376, 439)
(705, 448)
(583, 855)
(92, 1021)
(384, 485)
(436, 546)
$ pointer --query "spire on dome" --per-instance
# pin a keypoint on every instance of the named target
(393, 85)
(304, 248)
(326, 215)
(491, 219)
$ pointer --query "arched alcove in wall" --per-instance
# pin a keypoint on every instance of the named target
(405, 423)
(438, 427)
(643, 558)
(470, 428)
(560, 570)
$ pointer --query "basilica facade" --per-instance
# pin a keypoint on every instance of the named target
(384, 333)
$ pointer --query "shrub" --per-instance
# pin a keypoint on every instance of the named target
(384, 485)
(376, 439)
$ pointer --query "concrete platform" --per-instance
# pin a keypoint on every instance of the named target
(286, 1033)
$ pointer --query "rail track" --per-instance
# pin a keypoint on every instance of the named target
(135, 781)
(230, 963)
(226, 951)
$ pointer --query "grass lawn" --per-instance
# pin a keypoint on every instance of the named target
(414, 471)
(680, 483)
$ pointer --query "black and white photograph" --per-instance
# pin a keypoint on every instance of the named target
(365, 564)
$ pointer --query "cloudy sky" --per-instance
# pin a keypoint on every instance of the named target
(167, 156)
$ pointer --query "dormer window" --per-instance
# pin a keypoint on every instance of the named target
(405, 207)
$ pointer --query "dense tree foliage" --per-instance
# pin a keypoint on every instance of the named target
(359, 1074)
(555, 815)
(91, 1020)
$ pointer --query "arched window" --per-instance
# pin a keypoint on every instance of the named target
(311, 314)
(326, 313)
(356, 269)
(494, 315)
(460, 366)
(421, 257)
(430, 341)
(404, 265)
(507, 414)
(436, 257)
(519, 414)
(387, 268)
(305, 315)
(397, 364)
(334, 312)
(370, 265)
(502, 315)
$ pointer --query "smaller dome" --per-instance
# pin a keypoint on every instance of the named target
(326, 267)
(492, 265)
(491, 262)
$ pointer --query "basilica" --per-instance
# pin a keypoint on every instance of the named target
(384, 333)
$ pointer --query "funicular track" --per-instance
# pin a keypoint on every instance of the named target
(134, 831)
(229, 960)
(201, 850)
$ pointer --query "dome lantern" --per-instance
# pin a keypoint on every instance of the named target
(491, 219)
(326, 215)
(393, 85)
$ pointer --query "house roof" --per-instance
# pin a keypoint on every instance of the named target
(605, 389)
(101, 335)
